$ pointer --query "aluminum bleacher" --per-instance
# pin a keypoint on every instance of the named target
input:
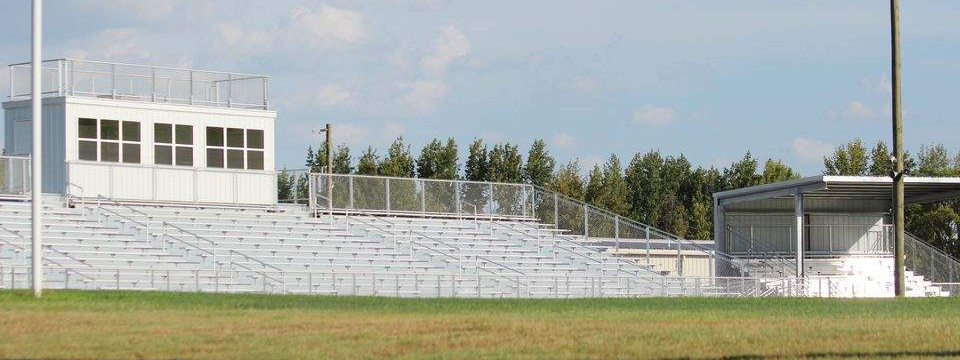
(287, 249)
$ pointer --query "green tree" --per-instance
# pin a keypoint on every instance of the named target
(285, 183)
(567, 181)
(613, 196)
(506, 164)
(540, 164)
(776, 171)
(342, 160)
(477, 167)
(594, 190)
(645, 190)
(368, 163)
(933, 160)
(849, 159)
(701, 221)
(742, 173)
(880, 164)
(438, 161)
(398, 162)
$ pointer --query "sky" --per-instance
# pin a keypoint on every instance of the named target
(786, 79)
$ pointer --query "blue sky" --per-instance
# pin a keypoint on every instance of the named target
(786, 79)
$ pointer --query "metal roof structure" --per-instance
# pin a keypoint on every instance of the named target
(918, 189)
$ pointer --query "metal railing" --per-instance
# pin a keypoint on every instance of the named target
(293, 186)
(620, 235)
(820, 240)
(111, 80)
(424, 197)
(765, 258)
(416, 285)
(217, 258)
(933, 264)
(490, 200)
(14, 176)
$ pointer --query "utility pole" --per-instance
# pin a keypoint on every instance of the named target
(36, 156)
(898, 180)
(328, 150)
(329, 132)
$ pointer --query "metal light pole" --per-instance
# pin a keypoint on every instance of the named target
(898, 180)
(36, 158)
(328, 131)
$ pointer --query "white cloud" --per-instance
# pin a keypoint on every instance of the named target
(423, 96)
(324, 26)
(563, 141)
(809, 149)
(152, 10)
(452, 45)
(587, 163)
(857, 110)
(332, 95)
(240, 39)
(881, 87)
(654, 116)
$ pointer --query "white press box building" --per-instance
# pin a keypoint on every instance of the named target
(148, 133)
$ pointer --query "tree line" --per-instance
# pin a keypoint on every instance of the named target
(664, 191)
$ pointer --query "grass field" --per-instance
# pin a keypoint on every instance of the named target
(144, 325)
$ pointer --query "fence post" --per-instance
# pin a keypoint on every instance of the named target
(311, 193)
(456, 197)
(423, 196)
(387, 185)
(350, 190)
(490, 199)
(556, 210)
(586, 223)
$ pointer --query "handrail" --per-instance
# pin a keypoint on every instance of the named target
(456, 247)
(248, 257)
(785, 264)
(393, 233)
(54, 262)
(47, 246)
(574, 243)
(262, 273)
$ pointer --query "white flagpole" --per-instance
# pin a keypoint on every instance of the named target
(36, 163)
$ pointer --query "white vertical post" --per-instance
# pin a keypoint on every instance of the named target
(798, 213)
(36, 208)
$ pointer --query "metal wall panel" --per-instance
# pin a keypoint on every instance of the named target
(18, 139)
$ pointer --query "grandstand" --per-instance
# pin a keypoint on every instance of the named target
(161, 179)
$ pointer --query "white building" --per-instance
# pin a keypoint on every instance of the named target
(151, 134)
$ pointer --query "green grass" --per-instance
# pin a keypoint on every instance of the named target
(145, 325)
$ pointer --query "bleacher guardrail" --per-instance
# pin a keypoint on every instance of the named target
(14, 177)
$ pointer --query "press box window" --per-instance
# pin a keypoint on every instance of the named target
(173, 144)
(234, 148)
(101, 140)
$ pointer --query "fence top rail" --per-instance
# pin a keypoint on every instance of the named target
(73, 60)
(319, 175)
(14, 157)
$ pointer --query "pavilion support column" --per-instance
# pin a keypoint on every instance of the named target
(798, 214)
